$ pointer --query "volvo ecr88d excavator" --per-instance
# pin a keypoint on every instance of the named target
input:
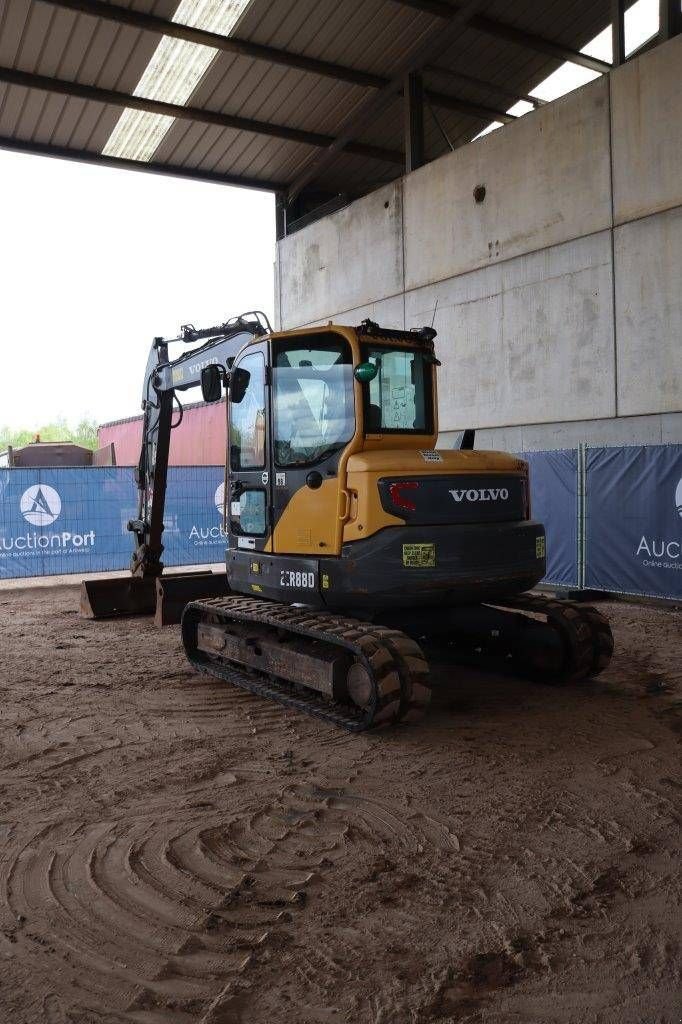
(353, 543)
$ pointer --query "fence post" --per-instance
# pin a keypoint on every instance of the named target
(582, 511)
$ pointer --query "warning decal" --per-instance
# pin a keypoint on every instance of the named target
(419, 556)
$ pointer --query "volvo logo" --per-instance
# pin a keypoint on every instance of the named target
(40, 505)
(481, 494)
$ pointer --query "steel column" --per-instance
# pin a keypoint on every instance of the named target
(618, 31)
(670, 19)
(413, 107)
(433, 44)
(280, 215)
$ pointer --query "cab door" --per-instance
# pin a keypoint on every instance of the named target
(249, 498)
(313, 421)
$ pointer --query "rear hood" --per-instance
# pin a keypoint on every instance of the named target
(449, 487)
(390, 462)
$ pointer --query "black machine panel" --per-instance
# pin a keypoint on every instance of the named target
(462, 498)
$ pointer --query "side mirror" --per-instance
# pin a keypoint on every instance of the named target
(239, 382)
(365, 372)
(211, 388)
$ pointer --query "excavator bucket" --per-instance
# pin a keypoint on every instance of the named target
(107, 599)
(174, 592)
(164, 597)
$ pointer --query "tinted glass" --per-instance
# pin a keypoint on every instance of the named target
(314, 410)
(247, 418)
(252, 512)
(399, 397)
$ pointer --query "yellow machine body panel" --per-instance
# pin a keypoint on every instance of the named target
(365, 469)
(347, 506)
(310, 523)
(314, 521)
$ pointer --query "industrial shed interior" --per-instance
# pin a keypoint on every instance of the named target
(176, 849)
(546, 254)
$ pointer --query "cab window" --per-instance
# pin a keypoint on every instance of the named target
(313, 393)
(398, 399)
(247, 418)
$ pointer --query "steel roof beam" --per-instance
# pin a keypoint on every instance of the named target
(121, 99)
(434, 43)
(511, 34)
(478, 83)
(168, 170)
(480, 111)
(227, 44)
(256, 51)
(533, 42)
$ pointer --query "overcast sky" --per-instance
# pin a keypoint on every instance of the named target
(95, 262)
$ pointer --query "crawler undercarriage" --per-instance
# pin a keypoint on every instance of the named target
(358, 674)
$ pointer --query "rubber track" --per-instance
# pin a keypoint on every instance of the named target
(394, 661)
(586, 633)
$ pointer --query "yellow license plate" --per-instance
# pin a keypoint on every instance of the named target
(419, 556)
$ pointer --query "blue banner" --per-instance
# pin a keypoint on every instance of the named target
(193, 531)
(554, 502)
(633, 520)
(58, 521)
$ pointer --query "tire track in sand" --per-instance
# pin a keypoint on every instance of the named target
(144, 920)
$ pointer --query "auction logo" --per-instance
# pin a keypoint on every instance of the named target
(678, 498)
(40, 505)
(203, 535)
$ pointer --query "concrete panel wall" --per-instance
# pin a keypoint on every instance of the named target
(546, 180)
(346, 260)
(384, 311)
(646, 114)
(648, 260)
(514, 336)
(559, 300)
(664, 429)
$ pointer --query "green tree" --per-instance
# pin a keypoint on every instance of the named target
(84, 433)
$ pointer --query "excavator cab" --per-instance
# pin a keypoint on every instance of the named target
(337, 495)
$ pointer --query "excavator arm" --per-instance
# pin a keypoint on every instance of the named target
(164, 378)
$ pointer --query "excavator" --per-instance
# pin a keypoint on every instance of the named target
(354, 545)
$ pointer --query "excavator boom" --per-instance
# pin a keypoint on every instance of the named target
(148, 591)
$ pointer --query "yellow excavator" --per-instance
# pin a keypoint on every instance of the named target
(353, 543)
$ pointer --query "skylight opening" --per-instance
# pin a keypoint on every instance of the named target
(172, 75)
(641, 24)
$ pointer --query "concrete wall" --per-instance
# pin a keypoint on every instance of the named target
(558, 299)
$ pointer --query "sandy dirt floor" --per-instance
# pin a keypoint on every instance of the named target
(176, 851)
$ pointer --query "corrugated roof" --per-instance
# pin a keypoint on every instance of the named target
(373, 36)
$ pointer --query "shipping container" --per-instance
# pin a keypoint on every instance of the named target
(198, 440)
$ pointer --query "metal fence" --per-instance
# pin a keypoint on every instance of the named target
(613, 518)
